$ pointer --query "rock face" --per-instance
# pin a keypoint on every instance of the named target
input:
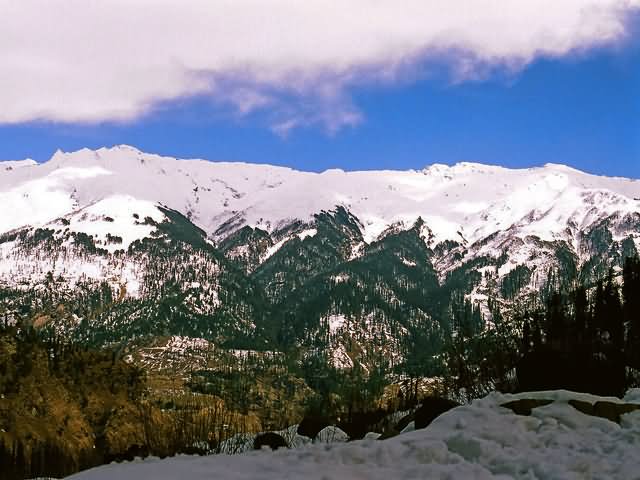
(310, 426)
(350, 265)
(271, 440)
(524, 406)
(431, 408)
(609, 410)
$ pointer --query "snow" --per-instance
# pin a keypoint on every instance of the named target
(361, 335)
(447, 197)
(310, 232)
(181, 345)
(12, 164)
(481, 440)
(408, 263)
(340, 358)
(245, 354)
(111, 224)
(28, 270)
(481, 198)
(411, 426)
(336, 323)
(466, 202)
(340, 278)
(115, 216)
(274, 248)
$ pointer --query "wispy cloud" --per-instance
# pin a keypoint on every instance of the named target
(86, 61)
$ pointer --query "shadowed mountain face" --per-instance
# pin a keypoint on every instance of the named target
(357, 265)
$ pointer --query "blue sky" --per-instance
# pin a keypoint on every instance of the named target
(581, 108)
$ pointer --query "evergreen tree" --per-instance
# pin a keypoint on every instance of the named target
(556, 322)
(614, 320)
(631, 308)
(526, 337)
(581, 315)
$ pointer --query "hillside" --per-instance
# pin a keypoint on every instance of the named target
(348, 266)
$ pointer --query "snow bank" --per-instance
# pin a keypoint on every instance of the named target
(482, 441)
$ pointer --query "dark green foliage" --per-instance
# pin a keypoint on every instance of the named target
(604, 252)
(87, 243)
(178, 228)
(12, 235)
(298, 261)
(113, 239)
(392, 295)
(254, 243)
(587, 343)
(567, 263)
(631, 308)
(514, 281)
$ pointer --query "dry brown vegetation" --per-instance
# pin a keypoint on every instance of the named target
(64, 408)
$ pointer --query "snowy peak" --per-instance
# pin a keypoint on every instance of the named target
(466, 200)
(8, 165)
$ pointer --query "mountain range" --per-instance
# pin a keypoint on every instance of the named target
(116, 245)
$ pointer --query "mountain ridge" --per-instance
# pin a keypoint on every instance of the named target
(238, 190)
(351, 264)
(59, 153)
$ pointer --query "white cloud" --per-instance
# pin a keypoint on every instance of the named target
(246, 100)
(104, 60)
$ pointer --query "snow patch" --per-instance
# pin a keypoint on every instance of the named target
(117, 221)
(311, 232)
(336, 323)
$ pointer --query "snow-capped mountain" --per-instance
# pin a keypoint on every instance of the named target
(343, 253)
(466, 202)
(106, 193)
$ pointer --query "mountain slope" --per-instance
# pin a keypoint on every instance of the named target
(345, 265)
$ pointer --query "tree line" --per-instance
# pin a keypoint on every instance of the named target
(587, 339)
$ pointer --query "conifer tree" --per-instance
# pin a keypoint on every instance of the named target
(581, 314)
(613, 320)
(556, 321)
(631, 308)
(526, 337)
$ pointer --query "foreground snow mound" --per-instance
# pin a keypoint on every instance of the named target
(481, 441)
